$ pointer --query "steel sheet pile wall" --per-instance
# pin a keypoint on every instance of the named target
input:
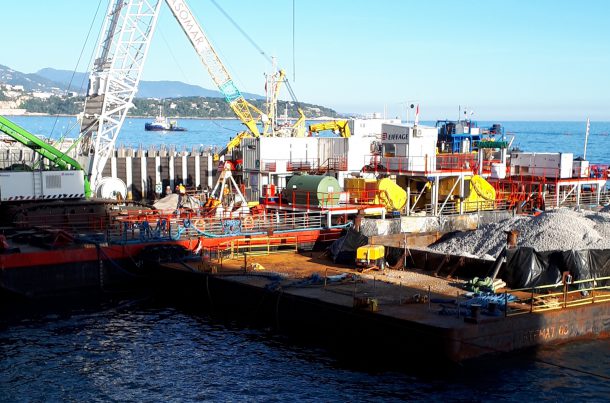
(146, 172)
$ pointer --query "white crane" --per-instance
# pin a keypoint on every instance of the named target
(116, 72)
(121, 53)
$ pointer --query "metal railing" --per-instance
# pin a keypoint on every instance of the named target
(304, 165)
(73, 223)
(456, 207)
(213, 258)
(259, 246)
(353, 197)
(559, 296)
(166, 227)
(424, 163)
(456, 162)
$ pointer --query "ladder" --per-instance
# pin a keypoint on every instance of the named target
(37, 182)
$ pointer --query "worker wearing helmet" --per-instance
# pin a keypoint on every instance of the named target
(181, 194)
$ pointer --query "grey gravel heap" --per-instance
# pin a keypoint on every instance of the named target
(561, 229)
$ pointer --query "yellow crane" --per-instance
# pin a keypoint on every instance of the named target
(208, 56)
(338, 126)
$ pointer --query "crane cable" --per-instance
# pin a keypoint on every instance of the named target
(82, 51)
(232, 21)
(294, 66)
(253, 43)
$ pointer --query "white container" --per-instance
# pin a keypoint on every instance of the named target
(498, 170)
(550, 165)
(17, 186)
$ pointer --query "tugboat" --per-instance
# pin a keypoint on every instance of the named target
(162, 123)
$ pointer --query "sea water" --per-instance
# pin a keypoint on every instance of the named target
(142, 348)
(203, 133)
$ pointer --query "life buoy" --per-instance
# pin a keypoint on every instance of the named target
(247, 223)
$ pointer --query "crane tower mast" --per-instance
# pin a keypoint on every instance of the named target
(113, 82)
(127, 33)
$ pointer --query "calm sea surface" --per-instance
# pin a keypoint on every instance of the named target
(529, 136)
(146, 349)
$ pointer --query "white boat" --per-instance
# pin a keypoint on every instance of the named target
(162, 123)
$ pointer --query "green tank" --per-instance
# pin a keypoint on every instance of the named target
(313, 190)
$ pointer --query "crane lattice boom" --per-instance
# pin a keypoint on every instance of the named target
(113, 83)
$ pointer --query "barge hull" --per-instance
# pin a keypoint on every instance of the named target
(393, 332)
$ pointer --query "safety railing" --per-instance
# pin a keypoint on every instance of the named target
(456, 162)
(268, 166)
(10, 159)
(306, 199)
(300, 165)
(173, 227)
(256, 247)
(334, 164)
(559, 296)
(315, 164)
(392, 164)
(461, 207)
(364, 196)
(304, 165)
(572, 200)
(213, 258)
(70, 222)
(537, 175)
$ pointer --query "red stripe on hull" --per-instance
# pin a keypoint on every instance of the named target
(117, 252)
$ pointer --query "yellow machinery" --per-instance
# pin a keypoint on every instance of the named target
(234, 142)
(482, 195)
(383, 191)
(361, 190)
(479, 195)
(339, 126)
(269, 124)
(370, 257)
(392, 196)
(299, 125)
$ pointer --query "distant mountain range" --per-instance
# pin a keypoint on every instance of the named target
(51, 80)
(30, 82)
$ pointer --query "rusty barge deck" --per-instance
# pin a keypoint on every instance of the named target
(393, 313)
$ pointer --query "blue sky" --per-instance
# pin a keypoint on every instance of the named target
(505, 60)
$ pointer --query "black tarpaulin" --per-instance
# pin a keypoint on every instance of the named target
(343, 250)
(577, 263)
(527, 268)
(599, 260)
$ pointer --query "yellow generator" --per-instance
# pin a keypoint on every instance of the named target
(370, 257)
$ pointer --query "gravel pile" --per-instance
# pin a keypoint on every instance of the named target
(561, 229)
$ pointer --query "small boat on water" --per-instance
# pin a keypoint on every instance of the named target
(162, 123)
